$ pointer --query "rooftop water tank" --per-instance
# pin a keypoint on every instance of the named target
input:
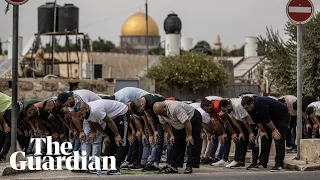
(172, 24)
(46, 17)
(68, 18)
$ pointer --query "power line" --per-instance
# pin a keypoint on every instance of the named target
(110, 17)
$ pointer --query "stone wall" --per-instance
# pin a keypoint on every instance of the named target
(44, 88)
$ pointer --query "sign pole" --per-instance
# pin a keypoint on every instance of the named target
(14, 110)
(299, 87)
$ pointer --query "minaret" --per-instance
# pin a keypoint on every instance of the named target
(218, 44)
(172, 27)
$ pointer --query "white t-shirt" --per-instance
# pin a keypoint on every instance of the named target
(238, 112)
(100, 108)
(316, 106)
(205, 116)
(211, 98)
(85, 96)
(129, 94)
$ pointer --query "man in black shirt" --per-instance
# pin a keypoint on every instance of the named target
(144, 107)
(274, 117)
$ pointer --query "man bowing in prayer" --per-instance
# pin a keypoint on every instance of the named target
(186, 128)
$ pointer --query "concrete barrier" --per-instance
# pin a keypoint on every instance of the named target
(310, 150)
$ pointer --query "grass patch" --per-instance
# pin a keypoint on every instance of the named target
(138, 172)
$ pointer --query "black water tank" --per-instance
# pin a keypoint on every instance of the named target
(46, 17)
(68, 18)
(172, 24)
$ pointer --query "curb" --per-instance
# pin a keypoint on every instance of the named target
(302, 167)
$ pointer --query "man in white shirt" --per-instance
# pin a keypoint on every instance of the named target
(234, 109)
(291, 135)
(186, 128)
(116, 116)
(313, 113)
(70, 99)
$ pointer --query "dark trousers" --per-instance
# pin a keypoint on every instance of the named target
(242, 146)
(119, 152)
(5, 140)
(136, 152)
(194, 151)
(280, 147)
(291, 133)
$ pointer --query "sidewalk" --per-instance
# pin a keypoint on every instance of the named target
(290, 164)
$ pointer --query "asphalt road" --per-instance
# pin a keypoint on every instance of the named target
(214, 174)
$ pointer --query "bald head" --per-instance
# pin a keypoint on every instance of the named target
(159, 108)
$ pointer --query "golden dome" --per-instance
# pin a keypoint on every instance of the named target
(135, 25)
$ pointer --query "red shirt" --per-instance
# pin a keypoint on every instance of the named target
(171, 99)
(216, 110)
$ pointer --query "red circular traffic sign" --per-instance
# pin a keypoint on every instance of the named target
(16, 2)
(300, 11)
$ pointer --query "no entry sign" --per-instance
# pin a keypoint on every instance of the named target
(300, 11)
(16, 2)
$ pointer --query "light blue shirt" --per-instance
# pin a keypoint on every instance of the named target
(129, 94)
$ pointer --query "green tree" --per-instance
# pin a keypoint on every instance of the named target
(237, 52)
(101, 45)
(204, 43)
(191, 71)
(282, 58)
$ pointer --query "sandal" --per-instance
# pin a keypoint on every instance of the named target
(169, 170)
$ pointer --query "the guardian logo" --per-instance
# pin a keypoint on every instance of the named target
(54, 161)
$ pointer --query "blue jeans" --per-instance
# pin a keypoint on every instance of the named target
(146, 148)
(157, 148)
(76, 144)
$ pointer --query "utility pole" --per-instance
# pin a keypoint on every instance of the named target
(14, 110)
(147, 35)
(53, 36)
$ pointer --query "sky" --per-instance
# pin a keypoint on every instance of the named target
(233, 20)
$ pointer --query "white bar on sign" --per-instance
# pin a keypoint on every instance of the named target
(300, 9)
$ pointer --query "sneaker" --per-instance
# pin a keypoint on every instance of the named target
(150, 167)
(277, 169)
(137, 167)
(207, 161)
(124, 165)
(238, 165)
(188, 170)
(114, 172)
(231, 164)
(2, 158)
(214, 160)
(257, 167)
(220, 163)
(251, 166)
(99, 172)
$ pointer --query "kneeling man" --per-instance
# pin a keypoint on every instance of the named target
(186, 122)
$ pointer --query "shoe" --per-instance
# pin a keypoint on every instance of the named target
(257, 167)
(2, 158)
(231, 164)
(188, 170)
(214, 160)
(207, 161)
(99, 172)
(137, 167)
(150, 167)
(238, 165)
(124, 165)
(251, 166)
(277, 168)
(220, 163)
(114, 172)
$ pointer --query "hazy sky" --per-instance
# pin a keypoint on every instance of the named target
(201, 19)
